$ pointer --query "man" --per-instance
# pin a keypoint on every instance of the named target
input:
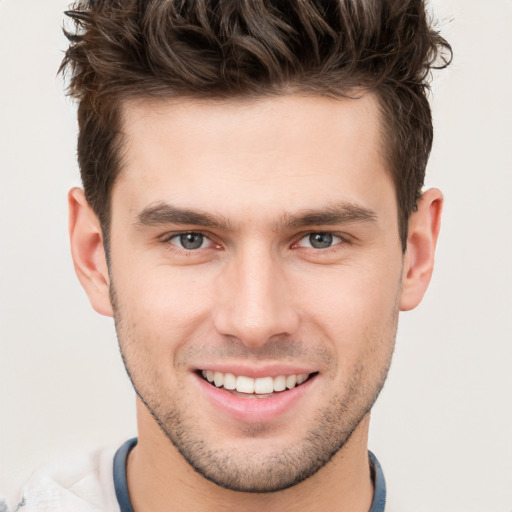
(253, 219)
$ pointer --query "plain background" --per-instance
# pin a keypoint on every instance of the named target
(442, 427)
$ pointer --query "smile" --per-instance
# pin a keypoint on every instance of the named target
(261, 386)
(257, 396)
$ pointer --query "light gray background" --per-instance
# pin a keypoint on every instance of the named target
(442, 427)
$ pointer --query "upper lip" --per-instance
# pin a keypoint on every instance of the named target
(257, 371)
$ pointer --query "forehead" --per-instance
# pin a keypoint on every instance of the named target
(272, 154)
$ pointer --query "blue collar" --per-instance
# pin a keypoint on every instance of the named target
(120, 480)
(123, 498)
(379, 485)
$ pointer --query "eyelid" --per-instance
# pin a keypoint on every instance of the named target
(170, 234)
(166, 238)
(344, 239)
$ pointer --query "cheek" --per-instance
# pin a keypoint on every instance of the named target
(153, 320)
(355, 308)
(161, 304)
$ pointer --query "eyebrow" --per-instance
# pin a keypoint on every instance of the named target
(164, 213)
(344, 213)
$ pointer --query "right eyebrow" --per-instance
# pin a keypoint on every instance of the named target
(164, 213)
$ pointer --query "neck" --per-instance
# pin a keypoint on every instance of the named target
(158, 475)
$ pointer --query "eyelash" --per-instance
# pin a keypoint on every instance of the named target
(167, 239)
(334, 246)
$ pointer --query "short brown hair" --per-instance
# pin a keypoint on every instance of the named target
(124, 49)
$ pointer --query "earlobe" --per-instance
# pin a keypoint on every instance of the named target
(88, 253)
(424, 225)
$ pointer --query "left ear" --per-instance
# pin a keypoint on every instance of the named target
(424, 227)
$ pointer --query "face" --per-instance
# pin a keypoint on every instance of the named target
(255, 278)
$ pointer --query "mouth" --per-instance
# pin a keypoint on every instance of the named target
(258, 396)
(260, 387)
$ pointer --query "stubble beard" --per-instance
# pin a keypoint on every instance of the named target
(251, 471)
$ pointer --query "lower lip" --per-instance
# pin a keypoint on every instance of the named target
(252, 409)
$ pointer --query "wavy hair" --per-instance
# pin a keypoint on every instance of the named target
(123, 49)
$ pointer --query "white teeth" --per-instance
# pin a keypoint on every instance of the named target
(259, 386)
(218, 379)
(302, 378)
(291, 381)
(264, 386)
(229, 381)
(280, 383)
(244, 384)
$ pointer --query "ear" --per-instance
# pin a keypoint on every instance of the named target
(424, 227)
(89, 259)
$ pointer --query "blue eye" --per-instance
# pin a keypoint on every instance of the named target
(320, 240)
(190, 241)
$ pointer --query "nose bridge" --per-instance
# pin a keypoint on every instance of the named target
(257, 305)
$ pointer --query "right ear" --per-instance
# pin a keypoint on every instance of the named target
(86, 237)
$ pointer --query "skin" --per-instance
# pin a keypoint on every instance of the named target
(256, 294)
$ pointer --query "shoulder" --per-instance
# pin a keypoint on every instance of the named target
(78, 483)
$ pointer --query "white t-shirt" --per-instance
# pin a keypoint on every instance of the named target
(97, 483)
(83, 484)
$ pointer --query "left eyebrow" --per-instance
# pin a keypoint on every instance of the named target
(344, 213)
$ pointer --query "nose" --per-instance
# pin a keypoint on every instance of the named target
(255, 301)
